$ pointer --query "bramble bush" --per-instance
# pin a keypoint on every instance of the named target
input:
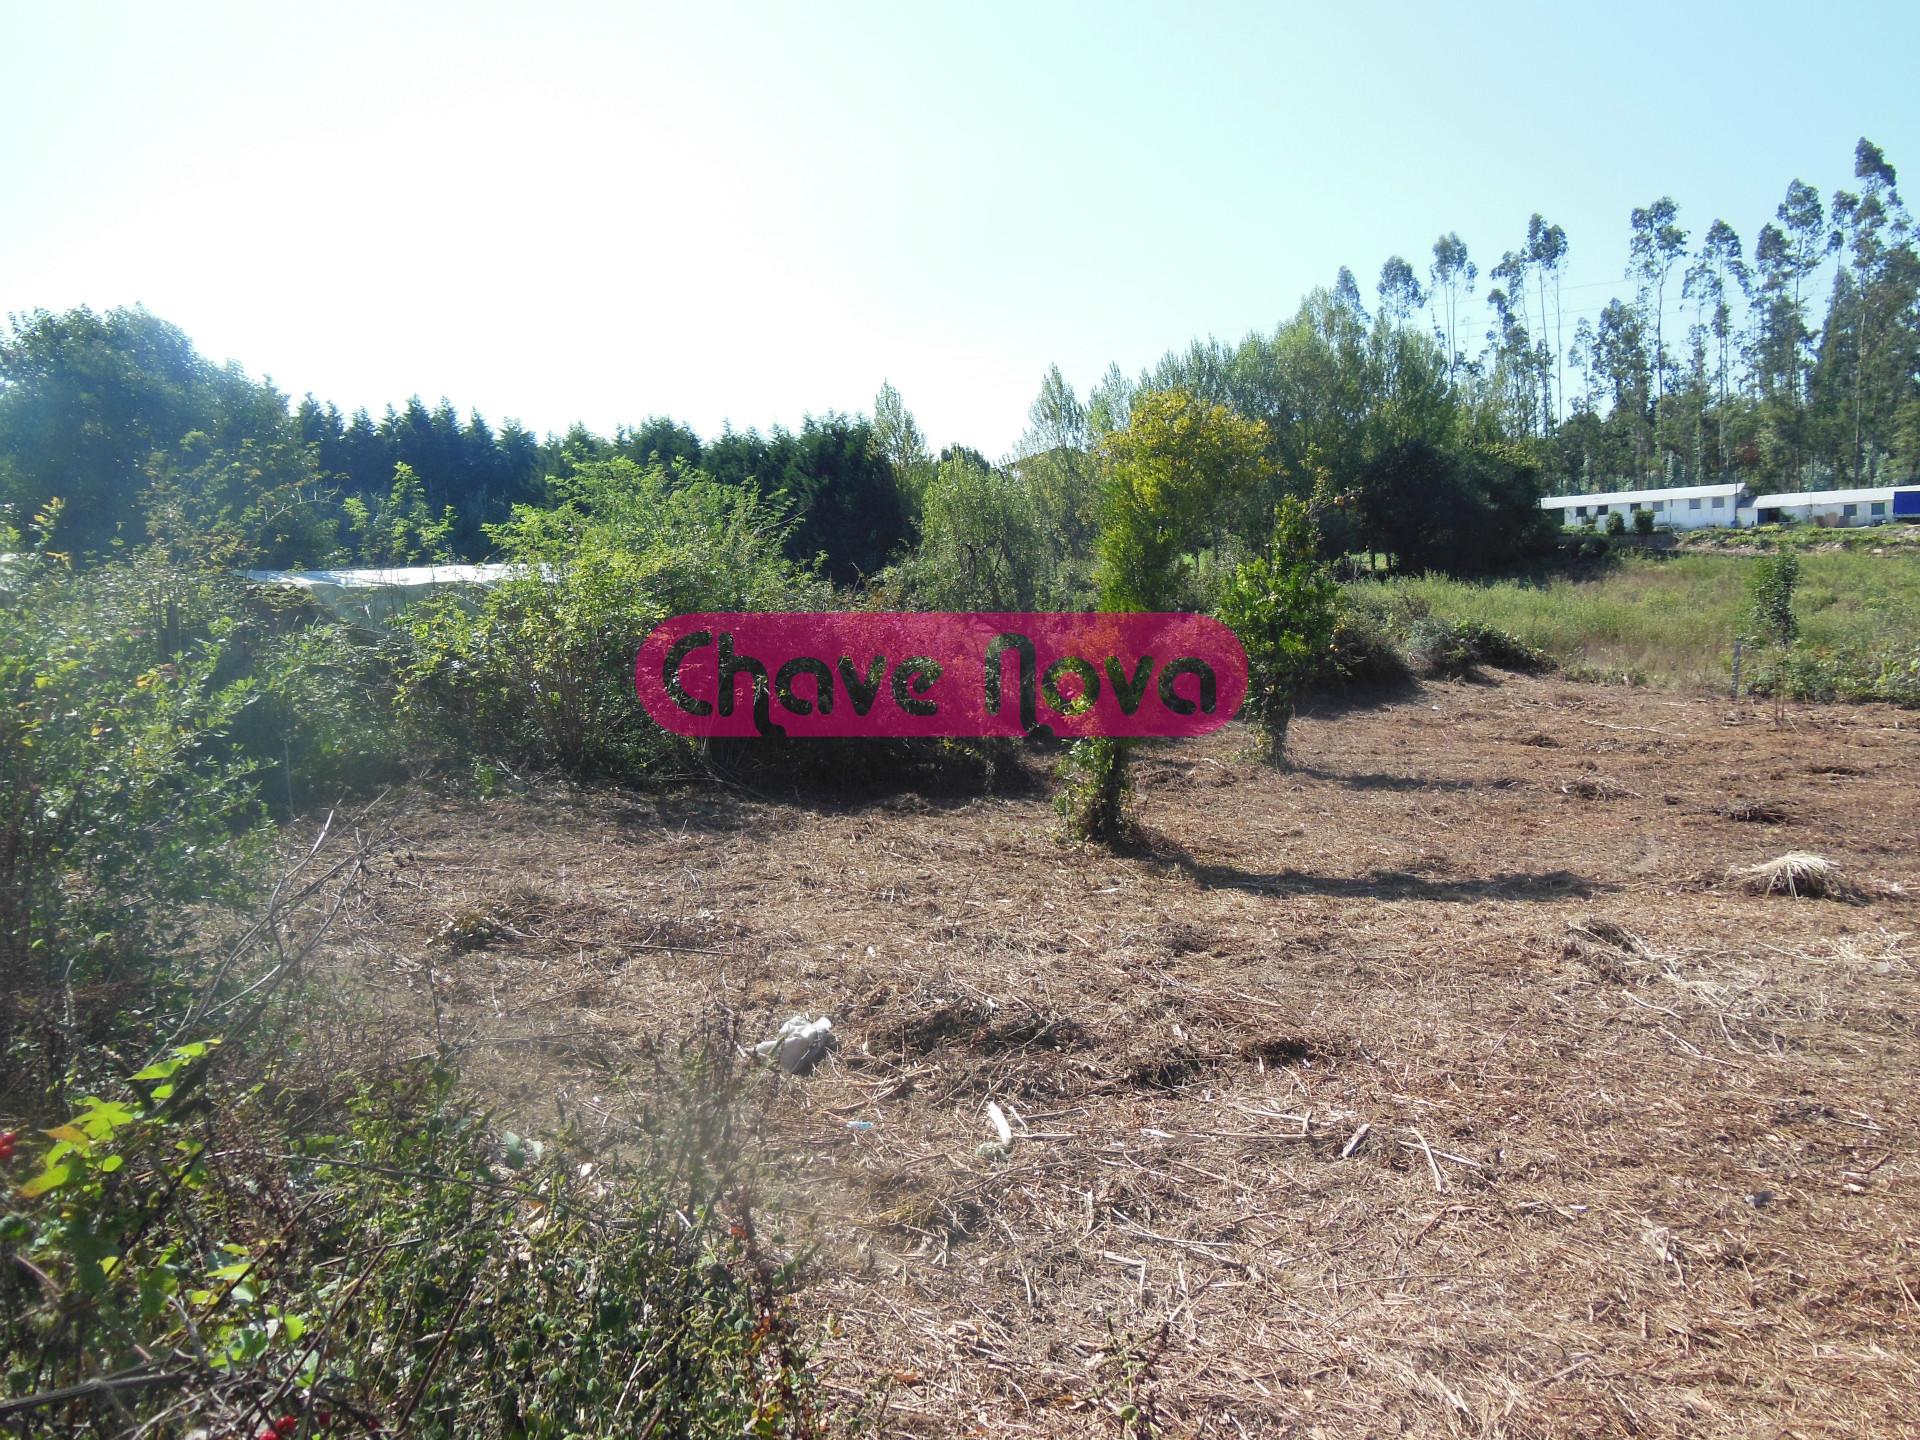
(181, 1260)
(146, 713)
(122, 802)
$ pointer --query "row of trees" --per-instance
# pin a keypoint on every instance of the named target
(143, 440)
(1719, 362)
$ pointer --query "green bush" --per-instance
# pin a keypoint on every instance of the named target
(983, 545)
(1282, 604)
(415, 1269)
(1643, 522)
(1616, 523)
(122, 798)
(1771, 587)
(1453, 649)
(540, 671)
(1854, 672)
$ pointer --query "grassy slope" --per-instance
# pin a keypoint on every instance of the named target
(1672, 621)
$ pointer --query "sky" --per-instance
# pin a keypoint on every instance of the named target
(746, 213)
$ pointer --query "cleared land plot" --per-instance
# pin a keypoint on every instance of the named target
(1444, 1084)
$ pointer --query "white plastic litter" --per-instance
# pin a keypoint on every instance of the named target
(799, 1045)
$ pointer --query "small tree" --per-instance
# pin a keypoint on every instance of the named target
(1774, 625)
(1282, 605)
(1771, 598)
(1167, 475)
(403, 531)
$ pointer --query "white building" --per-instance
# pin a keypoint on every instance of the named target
(1687, 507)
(1837, 508)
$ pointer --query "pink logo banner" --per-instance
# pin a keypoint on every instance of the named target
(934, 674)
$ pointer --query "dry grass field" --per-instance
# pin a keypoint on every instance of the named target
(1445, 1083)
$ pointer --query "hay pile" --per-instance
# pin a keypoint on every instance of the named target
(1799, 875)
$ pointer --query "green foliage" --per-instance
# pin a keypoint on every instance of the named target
(86, 399)
(121, 800)
(407, 1267)
(1616, 523)
(1671, 621)
(403, 530)
(1464, 511)
(1643, 522)
(1856, 671)
(1168, 476)
(262, 505)
(832, 479)
(1362, 651)
(322, 722)
(539, 670)
(984, 544)
(1771, 586)
(1282, 604)
(1451, 650)
(1092, 791)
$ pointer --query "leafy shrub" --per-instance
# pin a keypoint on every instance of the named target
(1094, 785)
(983, 545)
(1643, 522)
(1771, 588)
(122, 799)
(419, 1271)
(1168, 477)
(540, 671)
(1440, 647)
(1361, 651)
(1856, 672)
(1616, 523)
(1282, 605)
(322, 720)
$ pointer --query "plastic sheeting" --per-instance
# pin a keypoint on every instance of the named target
(369, 599)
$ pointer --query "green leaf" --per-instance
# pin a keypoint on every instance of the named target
(51, 1178)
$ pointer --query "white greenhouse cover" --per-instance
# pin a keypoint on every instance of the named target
(370, 598)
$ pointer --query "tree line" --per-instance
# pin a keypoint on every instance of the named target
(1403, 437)
(1720, 363)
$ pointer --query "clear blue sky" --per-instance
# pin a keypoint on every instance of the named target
(748, 212)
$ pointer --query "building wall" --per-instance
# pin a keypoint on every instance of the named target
(1836, 516)
(1667, 514)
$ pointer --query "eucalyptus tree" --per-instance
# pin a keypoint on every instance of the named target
(1399, 290)
(1789, 251)
(1346, 293)
(1110, 403)
(1871, 314)
(1547, 254)
(1452, 275)
(1656, 247)
(1706, 283)
(898, 439)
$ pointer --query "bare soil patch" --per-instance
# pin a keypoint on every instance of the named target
(1443, 1083)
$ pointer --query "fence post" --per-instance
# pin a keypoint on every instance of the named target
(1736, 669)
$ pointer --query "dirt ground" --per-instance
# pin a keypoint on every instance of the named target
(1443, 1083)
